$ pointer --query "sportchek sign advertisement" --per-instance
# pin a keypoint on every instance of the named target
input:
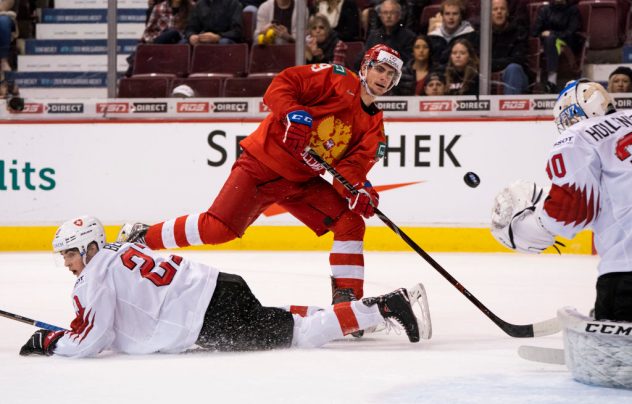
(150, 171)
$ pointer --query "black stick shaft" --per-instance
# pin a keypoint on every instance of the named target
(519, 331)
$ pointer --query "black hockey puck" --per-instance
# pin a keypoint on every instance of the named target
(471, 179)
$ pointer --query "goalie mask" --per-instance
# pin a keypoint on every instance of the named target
(579, 100)
(79, 233)
(381, 54)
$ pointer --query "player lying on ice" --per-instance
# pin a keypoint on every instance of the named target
(330, 109)
(129, 299)
(591, 173)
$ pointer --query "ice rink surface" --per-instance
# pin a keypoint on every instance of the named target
(468, 360)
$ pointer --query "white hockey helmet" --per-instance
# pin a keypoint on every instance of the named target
(581, 99)
(79, 233)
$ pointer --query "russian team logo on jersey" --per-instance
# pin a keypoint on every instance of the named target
(112, 108)
(192, 107)
(513, 105)
(435, 106)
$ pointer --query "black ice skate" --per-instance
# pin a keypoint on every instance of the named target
(396, 305)
(132, 233)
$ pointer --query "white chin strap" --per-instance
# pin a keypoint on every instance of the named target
(362, 76)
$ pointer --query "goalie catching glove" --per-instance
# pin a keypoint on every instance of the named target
(516, 221)
(365, 201)
(42, 342)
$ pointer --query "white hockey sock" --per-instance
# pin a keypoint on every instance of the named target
(333, 322)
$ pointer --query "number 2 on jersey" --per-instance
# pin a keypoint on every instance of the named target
(133, 259)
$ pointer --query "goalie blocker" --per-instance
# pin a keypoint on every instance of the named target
(597, 352)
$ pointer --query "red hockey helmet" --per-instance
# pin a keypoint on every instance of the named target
(381, 53)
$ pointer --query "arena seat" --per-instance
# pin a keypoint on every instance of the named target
(144, 87)
(219, 60)
(168, 60)
(266, 59)
(203, 86)
(251, 86)
(600, 22)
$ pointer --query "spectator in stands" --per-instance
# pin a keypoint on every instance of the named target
(435, 84)
(8, 30)
(167, 22)
(620, 80)
(453, 27)
(215, 21)
(509, 49)
(276, 20)
(557, 25)
(166, 25)
(415, 71)
(462, 70)
(342, 15)
(391, 33)
(251, 6)
(322, 43)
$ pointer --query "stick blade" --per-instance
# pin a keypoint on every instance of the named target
(419, 302)
(553, 356)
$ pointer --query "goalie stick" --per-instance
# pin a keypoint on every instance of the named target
(553, 356)
(29, 321)
(547, 327)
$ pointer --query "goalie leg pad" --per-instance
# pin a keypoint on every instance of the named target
(614, 297)
(597, 352)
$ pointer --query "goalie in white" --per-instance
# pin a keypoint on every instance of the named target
(129, 299)
(590, 167)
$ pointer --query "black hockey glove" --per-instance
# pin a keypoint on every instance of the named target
(42, 342)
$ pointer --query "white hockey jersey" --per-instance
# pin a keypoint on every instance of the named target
(590, 167)
(130, 299)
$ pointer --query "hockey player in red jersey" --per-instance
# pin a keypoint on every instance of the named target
(129, 299)
(331, 110)
(589, 166)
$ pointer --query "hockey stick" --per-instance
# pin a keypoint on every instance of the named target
(546, 327)
(541, 354)
(29, 321)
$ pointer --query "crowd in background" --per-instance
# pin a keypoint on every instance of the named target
(440, 51)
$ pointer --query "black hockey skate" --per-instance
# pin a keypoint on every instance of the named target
(396, 305)
(132, 233)
(341, 296)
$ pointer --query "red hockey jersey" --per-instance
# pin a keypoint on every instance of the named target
(346, 133)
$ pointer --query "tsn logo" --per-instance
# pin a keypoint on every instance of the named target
(32, 108)
(514, 105)
(112, 107)
(435, 106)
(189, 107)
